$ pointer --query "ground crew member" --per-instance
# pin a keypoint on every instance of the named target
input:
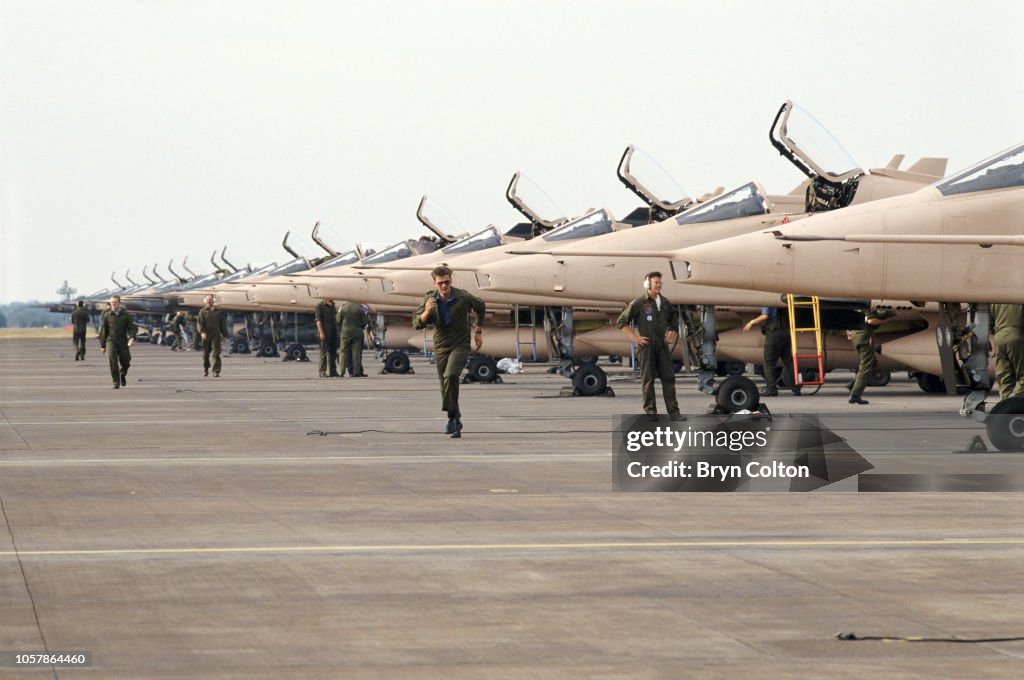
(1009, 338)
(655, 320)
(117, 333)
(353, 319)
(448, 309)
(80, 324)
(863, 341)
(327, 331)
(213, 328)
(777, 345)
(178, 327)
(197, 342)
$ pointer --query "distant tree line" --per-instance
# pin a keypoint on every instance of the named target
(31, 315)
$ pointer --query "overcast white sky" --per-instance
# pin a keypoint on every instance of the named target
(133, 132)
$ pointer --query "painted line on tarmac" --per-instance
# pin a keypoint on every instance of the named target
(412, 458)
(538, 547)
(259, 418)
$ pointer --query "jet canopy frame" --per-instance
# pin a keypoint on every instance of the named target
(646, 178)
(440, 220)
(528, 198)
(818, 153)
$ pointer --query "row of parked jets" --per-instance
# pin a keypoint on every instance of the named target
(933, 252)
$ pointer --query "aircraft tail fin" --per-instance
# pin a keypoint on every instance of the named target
(894, 164)
(936, 167)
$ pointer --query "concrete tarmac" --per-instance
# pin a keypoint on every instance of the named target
(269, 523)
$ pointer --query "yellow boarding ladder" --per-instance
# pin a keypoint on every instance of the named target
(794, 332)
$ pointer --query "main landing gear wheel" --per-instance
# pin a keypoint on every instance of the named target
(240, 347)
(735, 368)
(396, 362)
(727, 368)
(880, 377)
(267, 351)
(483, 369)
(737, 394)
(296, 352)
(1005, 424)
(589, 381)
(931, 384)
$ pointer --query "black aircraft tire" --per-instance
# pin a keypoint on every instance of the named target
(483, 369)
(735, 368)
(397, 362)
(880, 377)
(267, 351)
(932, 384)
(1005, 424)
(737, 394)
(240, 347)
(296, 352)
(590, 380)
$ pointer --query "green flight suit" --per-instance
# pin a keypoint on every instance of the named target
(352, 319)
(652, 322)
(1008, 320)
(451, 341)
(325, 314)
(863, 340)
(80, 324)
(178, 326)
(115, 331)
(213, 322)
(778, 346)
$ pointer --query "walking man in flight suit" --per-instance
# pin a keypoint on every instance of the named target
(80, 324)
(863, 341)
(117, 333)
(213, 328)
(448, 309)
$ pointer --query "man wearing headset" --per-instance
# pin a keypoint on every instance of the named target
(651, 322)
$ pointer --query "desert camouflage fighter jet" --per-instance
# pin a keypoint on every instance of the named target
(609, 268)
(955, 241)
